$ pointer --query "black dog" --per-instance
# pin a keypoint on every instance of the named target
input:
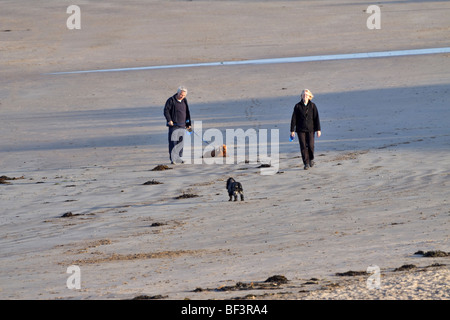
(234, 188)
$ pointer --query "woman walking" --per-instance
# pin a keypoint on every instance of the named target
(305, 121)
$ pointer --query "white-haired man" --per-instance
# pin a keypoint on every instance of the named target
(305, 121)
(177, 114)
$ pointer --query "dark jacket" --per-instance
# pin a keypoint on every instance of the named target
(171, 115)
(305, 118)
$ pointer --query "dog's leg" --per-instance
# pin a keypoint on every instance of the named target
(242, 197)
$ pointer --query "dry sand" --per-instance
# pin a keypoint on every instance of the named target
(87, 143)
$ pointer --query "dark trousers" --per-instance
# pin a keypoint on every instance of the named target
(176, 143)
(306, 140)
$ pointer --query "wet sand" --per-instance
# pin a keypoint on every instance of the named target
(77, 151)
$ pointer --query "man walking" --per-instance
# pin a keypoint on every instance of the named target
(178, 117)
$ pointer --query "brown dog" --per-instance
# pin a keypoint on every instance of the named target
(219, 152)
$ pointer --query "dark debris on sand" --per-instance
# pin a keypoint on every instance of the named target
(146, 297)
(6, 179)
(151, 182)
(351, 273)
(187, 196)
(161, 167)
(70, 214)
(278, 279)
(158, 224)
(270, 283)
(433, 253)
(406, 267)
(412, 267)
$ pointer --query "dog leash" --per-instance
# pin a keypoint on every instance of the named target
(189, 132)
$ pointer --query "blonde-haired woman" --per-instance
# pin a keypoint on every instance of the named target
(305, 121)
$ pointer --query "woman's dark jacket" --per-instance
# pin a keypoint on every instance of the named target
(305, 118)
(171, 114)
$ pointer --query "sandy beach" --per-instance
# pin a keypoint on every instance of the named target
(79, 150)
